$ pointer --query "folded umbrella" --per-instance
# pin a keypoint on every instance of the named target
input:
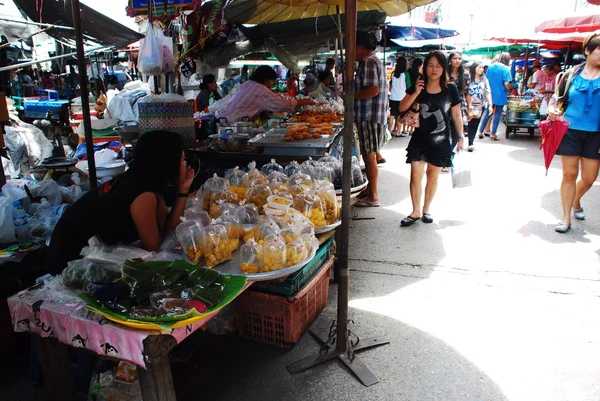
(552, 135)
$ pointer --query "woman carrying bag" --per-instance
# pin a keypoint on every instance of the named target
(578, 97)
(480, 93)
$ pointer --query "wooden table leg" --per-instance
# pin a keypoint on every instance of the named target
(56, 367)
(157, 380)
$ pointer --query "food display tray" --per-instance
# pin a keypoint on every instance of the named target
(273, 143)
(326, 229)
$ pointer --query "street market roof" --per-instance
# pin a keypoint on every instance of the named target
(580, 23)
(97, 28)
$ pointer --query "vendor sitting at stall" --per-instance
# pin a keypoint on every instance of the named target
(132, 206)
(323, 88)
(255, 96)
(208, 90)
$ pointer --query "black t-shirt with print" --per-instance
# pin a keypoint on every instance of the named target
(435, 119)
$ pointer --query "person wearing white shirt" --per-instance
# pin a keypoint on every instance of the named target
(398, 85)
(323, 88)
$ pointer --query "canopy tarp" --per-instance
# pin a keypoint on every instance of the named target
(97, 28)
(417, 44)
(581, 23)
(272, 11)
(547, 40)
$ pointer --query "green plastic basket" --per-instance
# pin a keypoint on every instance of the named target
(295, 281)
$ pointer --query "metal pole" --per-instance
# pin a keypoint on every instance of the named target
(343, 277)
(341, 42)
(85, 104)
(28, 63)
(526, 67)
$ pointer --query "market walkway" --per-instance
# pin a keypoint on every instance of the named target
(488, 303)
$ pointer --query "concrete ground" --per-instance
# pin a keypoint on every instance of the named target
(487, 303)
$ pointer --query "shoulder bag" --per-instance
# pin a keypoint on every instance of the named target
(411, 116)
(563, 84)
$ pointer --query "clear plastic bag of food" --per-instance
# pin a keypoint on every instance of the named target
(311, 206)
(296, 253)
(255, 176)
(323, 184)
(357, 176)
(298, 189)
(212, 185)
(168, 303)
(277, 188)
(271, 167)
(81, 272)
(294, 218)
(248, 213)
(300, 178)
(251, 257)
(219, 198)
(196, 213)
(238, 181)
(323, 173)
(215, 244)
(289, 234)
(190, 234)
(277, 177)
(274, 253)
(232, 225)
(267, 227)
(292, 168)
(310, 241)
(330, 204)
(330, 161)
(258, 195)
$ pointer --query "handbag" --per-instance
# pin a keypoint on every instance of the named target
(563, 84)
(411, 116)
(477, 107)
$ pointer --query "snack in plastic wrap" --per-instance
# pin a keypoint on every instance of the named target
(278, 187)
(330, 204)
(277, 177)
(273, 212)
(292, 168)
(296, 253)
(190, 234)
(283, 201)
(251, 256)
(300, 178)
(81, 272)
(299, 189)
(167, 303)
(258, 195)
(268, 227)
(196, 213)
(232, 225)
(310, 241)
(238, 181)
(289, 234)
(215, 244)
(248, 213)
(333, 163)
(271, 167)
(357, 176)
(212, 185)
(294, 218)
(255, 176)
(220, 197)
(311, 206)
(249, 233)
(274, 253)
(322, 172)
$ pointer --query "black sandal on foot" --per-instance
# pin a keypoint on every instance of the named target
(409, 221)
(427, 218)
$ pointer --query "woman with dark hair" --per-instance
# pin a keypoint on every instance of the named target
(481, 100)
(292, 84)
(208, 90)
(130, 207)
(398, 91)
(413, 74)
(580, 146)
(430, 147)
(461, 78)
(255, 96)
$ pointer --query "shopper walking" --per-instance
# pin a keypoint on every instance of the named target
(370, 106)
(498, 75)
(481, 100)
(461, 78)
(581, 144)
(430, 147)
(398, 91)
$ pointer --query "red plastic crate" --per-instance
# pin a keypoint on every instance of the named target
(280, 321)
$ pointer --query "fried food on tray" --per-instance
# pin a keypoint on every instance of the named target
(314, 117)
(321, 126)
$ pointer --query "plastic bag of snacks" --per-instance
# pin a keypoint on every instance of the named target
(310, 241)
(212, 185)
(248, 213)
(322, 172)
(277, 177)
(289, 234)
(274, 253)
(255, 176)
(234, 230)
(330, 204)
(357, 176)
(294, 218)
(292, 168)
(215, 244)
(297, 190)
(268, 227)
(251, 257)
(190, 234)
(258, 194)
(296, 252)
(238, 181)
(278, 188)
(300, 178)
(219, 198)
(311, 206)
(197, 214)
(331, 161)
(323, 184)
(271, 167)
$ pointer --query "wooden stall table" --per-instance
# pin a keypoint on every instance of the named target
(59, 319)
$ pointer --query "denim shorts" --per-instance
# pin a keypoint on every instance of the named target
(580, 143)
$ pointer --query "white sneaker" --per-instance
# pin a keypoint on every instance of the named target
(471, 148)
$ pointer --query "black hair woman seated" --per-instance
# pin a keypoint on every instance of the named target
(130, 207)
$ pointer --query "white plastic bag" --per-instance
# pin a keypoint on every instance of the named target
(166, 44)
(151, 54)
(10, 193)
(461, 170)
(544, 107)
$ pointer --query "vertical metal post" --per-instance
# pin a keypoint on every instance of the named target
(87, 122)
(526, 67)
(343, 279)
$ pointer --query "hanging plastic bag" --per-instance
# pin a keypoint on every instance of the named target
(151, 54)
(166, 44)
(544, 107)
(461, 171)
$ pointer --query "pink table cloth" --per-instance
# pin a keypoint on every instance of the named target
(56, 312)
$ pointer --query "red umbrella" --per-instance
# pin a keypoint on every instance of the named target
(552, 135)
(583, 23)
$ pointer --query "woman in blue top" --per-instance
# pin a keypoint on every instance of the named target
(581, 143)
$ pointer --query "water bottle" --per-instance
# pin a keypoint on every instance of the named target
(20, 220)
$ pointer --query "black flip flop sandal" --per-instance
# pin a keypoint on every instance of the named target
(409, 221)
